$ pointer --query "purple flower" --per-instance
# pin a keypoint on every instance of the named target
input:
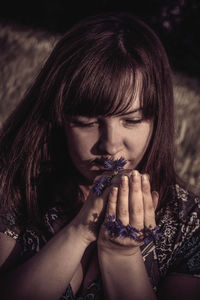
(110, 226)
(104, 181)
(117, 229)
(110, 218)
(152, 235)
(121, 229)
(99, 185)
(115, 165)
(133, 233)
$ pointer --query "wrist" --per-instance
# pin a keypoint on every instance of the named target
(111, 248)
(76, 231)
(82, 232)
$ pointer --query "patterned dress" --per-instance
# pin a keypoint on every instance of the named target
(177, 250)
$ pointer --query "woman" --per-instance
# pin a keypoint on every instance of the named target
(73, 222)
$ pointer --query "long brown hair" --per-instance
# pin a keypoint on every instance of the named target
(88, 73)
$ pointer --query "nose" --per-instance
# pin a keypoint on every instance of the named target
(111, 140)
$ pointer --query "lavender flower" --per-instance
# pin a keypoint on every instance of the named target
(115, 165)
(121, 229)
(110, 218)
(99, 185)
(113, 228)
(104, 181)
(117, 229)
(152, 235)
(134, 233)
(110, 226)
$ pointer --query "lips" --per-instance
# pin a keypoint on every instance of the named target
(99, 170)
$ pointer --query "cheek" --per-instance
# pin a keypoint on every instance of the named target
(79, 144)
(139, 140)
(75, 145)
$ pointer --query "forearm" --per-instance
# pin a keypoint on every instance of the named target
(125, 277)
(47, 274)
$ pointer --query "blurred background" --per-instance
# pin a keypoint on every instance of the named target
(29, 30)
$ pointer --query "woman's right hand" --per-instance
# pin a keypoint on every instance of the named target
(91, 215)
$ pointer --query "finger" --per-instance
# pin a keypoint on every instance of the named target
(155, 198)
(149, 211)
(112, 202)
(122, 202)
(136, 210)
(117, 178)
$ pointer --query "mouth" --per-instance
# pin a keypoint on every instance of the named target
(98, 170)
(98, 166)
(101, 161)
(101, 165)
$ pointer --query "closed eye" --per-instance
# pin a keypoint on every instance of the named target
(77, 123)
(133, 122)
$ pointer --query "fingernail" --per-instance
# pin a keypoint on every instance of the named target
(145, 177)
(124, 181)
(114, 189)
(124, 178)
(135, 173)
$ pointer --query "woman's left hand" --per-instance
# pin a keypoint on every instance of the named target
(134, 204)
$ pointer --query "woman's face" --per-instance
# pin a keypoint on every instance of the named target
(90, 140)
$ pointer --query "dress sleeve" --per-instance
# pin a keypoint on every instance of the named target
(187, 252)
(8, 225)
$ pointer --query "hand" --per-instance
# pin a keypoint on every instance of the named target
(91, 215)
(133, 203)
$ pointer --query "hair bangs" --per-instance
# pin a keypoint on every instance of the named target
(148, 95)
(103, 89)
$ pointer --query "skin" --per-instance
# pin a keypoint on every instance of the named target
(127, 135)
(129, 198)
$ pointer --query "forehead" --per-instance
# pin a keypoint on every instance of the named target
(108, 97)
(135, 104)
(133, 108)
(129, 100)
